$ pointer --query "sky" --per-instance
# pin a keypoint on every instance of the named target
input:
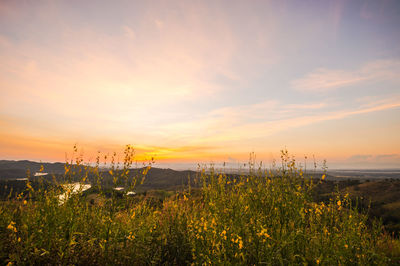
(193, 82)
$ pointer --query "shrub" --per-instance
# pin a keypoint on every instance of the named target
(263, 217)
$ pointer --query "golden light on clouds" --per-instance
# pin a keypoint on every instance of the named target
(199, 81)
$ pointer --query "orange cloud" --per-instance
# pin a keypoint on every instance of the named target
(322, 80)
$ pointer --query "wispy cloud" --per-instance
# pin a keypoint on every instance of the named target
(189, 78)
(336, 14)
(265, 119)
(321, 80)
(391, 159)
(129, 32)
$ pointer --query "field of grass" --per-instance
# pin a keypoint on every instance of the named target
(258, 218)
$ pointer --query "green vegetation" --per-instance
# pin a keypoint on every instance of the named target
(258, 218)
(379, 198)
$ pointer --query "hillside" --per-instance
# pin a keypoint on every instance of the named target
(381, 196)
(17, 169)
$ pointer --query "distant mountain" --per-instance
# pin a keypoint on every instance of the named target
(156, 178)
(33, 166)
(17, 169)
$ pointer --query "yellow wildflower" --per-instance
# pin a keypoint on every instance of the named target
(223, 234)
(29, 186)
(213, 222)
(12, 227)
(240, 244)
(263, 233)
(131, 236)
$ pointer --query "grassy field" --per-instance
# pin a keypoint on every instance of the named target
(259, 218)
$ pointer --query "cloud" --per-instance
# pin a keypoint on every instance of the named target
(383, 157)
(239, 122)
(167, 75)
(264, 119)
(159, 24)
(174, 152)
(336, 14)
(379, 158)
(129, 32)
(373, 9)
(321, 80)
(359, 157)
(167, 65)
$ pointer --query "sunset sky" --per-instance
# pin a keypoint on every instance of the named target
(202, 81)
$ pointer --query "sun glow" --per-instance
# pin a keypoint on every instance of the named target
(198, 82)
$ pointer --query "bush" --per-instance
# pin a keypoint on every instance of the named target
(262, 217)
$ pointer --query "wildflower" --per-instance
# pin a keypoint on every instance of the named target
(346, 246)
(29, 186)
(131, 236)
(263, 233)
(223, 234)
(12, 227)
(339, 203)
(25, 202)
(323, 177)
(240, 244)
